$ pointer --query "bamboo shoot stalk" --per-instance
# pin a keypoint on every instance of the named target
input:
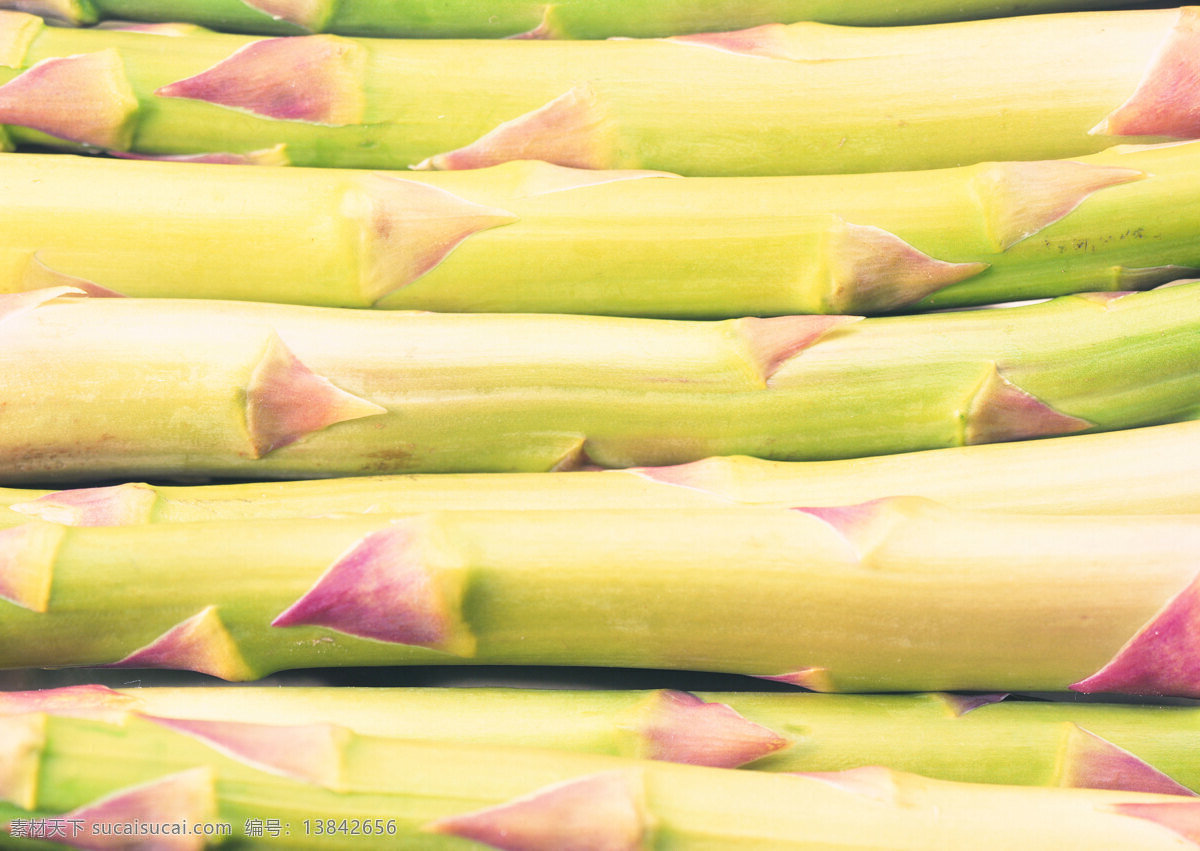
(535, 238)
(973, 739)
(779, 99)
(1152, 470)
(894, 595)
(276, 391)
(296, 785)
(574, 19)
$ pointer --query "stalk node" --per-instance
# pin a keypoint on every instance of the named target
(775, 340)
(1166, 101)
(571, 130)
(387, 588)
(92, 701)
(84, 98)
(27, 554)
(116, 505)
(1087, 761)
(72, 13)
(1163, 657)
(311, 753)
(309, 15)
(285, 400)
(1019, 199)
(599, 812)
(768, 41)
(870, 270)
(39, 276)
(189, 796)
(22, 740)
(1000, 411)
(870, 781)
(409, 228)
(315, 79)
(201, 643)
(813, 679)
(675, 726)
(1182, 818)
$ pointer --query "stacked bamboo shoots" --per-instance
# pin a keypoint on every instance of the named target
(662, 420)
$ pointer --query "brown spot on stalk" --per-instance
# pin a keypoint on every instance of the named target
(873, 271)
(90, 701)
(1019, 199)
(201, 643)
(17, 32)
(773, 341)
(864, 526)
(869, 781)
(70, 12)
(189, 796)
(317, 79)
(386, 589)
(309, 15)
(22, 739)
(285, 400)
(118, 505)
(273, 156)
(1000, 411)
(311, 753)
(599, 812)
(39, 276)
(410, 227)
(84, 98)
(1087, 761)
(813, 679)
(27, 554)
(961, 704)
(542, 178)
(1182, 817)
(769, 41)
(571, 130)
(675, 726)
(1162, 658)
(1167, 100)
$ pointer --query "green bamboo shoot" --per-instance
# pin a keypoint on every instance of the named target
(320, 786)
(976, 739)
(277, 391)
(893, 595)
(1153, 470)
(535, 238)
(777, 99)
(576, 19)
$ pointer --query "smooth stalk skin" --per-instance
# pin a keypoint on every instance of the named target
(1153, 470)
(536, 238)
(778, 99)
(894, 595)
(977, 739)
(318, 786)
(573, 19)
(277, 391)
